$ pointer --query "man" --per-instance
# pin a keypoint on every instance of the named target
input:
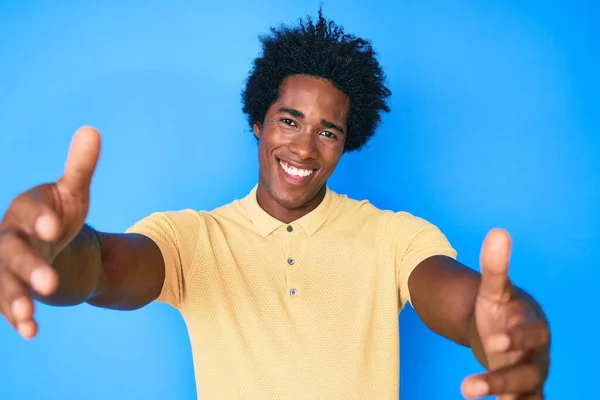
(293, 291)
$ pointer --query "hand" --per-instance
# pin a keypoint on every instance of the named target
(514, 336)
(38, 224)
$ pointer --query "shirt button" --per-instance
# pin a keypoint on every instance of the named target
(290, 229)
(291, 261)
(293, 292)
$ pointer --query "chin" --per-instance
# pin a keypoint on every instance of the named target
(294, 199)
(290, 200)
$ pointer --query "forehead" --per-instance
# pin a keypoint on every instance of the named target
(313, 95)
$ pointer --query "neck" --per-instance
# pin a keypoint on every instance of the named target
(285, 214)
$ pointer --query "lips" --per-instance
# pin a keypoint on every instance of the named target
(294, 173)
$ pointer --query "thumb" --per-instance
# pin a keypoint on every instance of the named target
(82, 160)
(494, 260)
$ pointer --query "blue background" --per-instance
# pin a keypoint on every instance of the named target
(494, 123)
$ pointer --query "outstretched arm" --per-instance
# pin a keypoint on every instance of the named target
(504, 326)
(46, 252)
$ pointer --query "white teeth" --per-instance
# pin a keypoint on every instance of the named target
(295, 171)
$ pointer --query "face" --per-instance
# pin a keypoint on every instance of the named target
(301, 142)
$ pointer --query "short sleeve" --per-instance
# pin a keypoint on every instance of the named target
(176, 235)
(416, 240)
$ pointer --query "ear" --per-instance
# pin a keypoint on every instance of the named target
(256, 128)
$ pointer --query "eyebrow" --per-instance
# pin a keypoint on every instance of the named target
(300, 115)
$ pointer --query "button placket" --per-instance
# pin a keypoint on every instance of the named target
(292, 284)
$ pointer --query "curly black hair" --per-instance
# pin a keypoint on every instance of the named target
(320, 49)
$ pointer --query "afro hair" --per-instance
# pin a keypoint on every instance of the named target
(323, 50)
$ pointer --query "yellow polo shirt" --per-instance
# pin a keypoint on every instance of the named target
(307, 310)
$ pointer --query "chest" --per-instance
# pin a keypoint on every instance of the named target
(324, 274)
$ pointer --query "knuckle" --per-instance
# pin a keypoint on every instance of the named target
(26, 204)
(536, 377)
(16, 201)
(517, 319)
(8, 238)
(20, 204)
(531, 378)
(545, 335)
(517, 338)
(5, 230)
(499, 382)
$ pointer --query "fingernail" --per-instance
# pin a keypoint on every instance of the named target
(19, 308)
(45, 227)
(500, 342)
(479, 388)
(41, 224)
(39, 281)
(26, 329)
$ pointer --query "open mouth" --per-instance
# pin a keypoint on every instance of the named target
(295, 172)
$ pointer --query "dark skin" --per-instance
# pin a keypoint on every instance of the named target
(304, 128)
(47, 254)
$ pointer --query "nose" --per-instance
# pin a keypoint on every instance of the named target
(304, 145)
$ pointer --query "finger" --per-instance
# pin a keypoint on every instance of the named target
(18, 257)
(34, 217)
(7, 296)
(495, 257)
(82, 160)
(528, 336)
(521, 378)
(28, 329)
(505, 359)
(22, 307)
(16, 305)
(519, 313)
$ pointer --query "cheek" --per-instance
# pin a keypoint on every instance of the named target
(272, 139)
(266, 145)
(332, 157)
(263, 153)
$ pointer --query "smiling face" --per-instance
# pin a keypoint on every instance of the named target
(301, 141)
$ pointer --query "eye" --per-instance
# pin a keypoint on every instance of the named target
(288, 121)
(328, 134)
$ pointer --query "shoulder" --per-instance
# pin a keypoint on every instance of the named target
(365, 210)
(347, 207)
(175, 227)
(397, 226)
(193, 221)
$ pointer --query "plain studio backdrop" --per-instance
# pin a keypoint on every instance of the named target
(493, 124)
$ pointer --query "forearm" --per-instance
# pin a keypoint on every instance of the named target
(473, 337)
(79, 268)
(444, 293)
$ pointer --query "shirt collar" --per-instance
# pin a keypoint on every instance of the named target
(265, 224)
